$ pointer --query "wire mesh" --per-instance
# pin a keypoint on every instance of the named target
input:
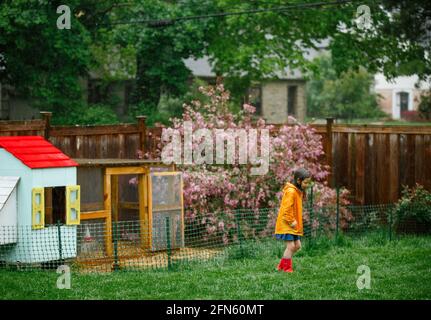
(95, 246)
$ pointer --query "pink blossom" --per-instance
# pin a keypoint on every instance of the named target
(249, 108)
(213, 192)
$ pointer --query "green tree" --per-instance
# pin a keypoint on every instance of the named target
(425, 105)
(160, 50)
(45, 63)
(38, 59)
(251, 47)
(397, 43)
(347, 96)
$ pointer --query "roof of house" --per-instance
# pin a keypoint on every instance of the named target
(36, 152)
(400, 83)
(7, 184)
(202, 67)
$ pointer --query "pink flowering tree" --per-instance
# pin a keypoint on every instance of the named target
(214, 193)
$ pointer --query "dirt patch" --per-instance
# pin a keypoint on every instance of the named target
(133, 257)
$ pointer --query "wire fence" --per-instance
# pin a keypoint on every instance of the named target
(133, 245)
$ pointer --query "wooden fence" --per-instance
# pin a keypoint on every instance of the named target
(372, 161)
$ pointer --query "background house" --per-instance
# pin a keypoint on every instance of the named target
(400, 95)
(15, 107)
(274, 99)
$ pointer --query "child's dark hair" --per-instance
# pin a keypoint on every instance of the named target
(302, 174)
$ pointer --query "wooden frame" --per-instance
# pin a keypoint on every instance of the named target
(111, 202)
(112, 169)
(107, 201)
(38, 208)
(167, 207)
(144, 212)
(125, 170)
(92, 215)
(75, 205)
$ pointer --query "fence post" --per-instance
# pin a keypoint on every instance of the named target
(116, 262)
(328, 149)
(60, 251)
(238, 230)
(142, 132)
(168, 239)
(338, 212)
(390, 225)
(46, 117)
(311, 212)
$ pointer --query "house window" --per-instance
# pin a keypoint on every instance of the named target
(254, 97)
(97, 91)
(128, 91)
(56, 204)
(403, 98)
(291, 99)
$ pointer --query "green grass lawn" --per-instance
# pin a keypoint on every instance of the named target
(400, 269)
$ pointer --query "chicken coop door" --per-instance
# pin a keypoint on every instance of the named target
(166, 209)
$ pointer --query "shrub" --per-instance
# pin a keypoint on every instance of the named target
(425, 106)
(412, 213)
(83, 114)
(345, 96)
(213, 193)
(411, 115)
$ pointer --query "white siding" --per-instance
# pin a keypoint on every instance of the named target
(8, 210)
(7, 185)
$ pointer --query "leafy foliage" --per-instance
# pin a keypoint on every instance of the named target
(160, 50)
(396, 44)
(82, 114)
(414, 206)
(346, 97)
(45, 63)
(38, 59)
(425, 105)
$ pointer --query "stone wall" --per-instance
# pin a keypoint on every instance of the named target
(275, 100)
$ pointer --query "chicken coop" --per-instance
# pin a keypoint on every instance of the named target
(129, 208)
(38, 190)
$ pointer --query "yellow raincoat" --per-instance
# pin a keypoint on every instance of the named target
(290, 211)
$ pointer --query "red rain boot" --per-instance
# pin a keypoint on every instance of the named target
(288, 266)
(281, 264)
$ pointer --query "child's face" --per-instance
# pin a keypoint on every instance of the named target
(306, 183)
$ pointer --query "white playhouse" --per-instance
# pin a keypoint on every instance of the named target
(39, 201)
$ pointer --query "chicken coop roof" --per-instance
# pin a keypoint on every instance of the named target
(36, 152)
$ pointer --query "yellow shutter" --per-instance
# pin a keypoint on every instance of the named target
(73, 208)
(38, 208)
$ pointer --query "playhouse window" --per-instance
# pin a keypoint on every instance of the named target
(56, 204)
(38, 208)
(73, 201)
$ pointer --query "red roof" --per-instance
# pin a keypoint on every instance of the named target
(36, 152)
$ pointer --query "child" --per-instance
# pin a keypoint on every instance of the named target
(289, 221)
